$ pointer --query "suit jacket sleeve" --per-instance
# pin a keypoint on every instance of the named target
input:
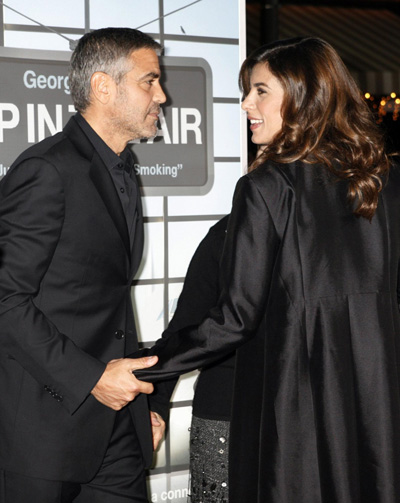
(246, 271)
(199, 294)
(31, 218)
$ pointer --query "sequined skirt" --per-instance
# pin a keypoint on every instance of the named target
(209, 441)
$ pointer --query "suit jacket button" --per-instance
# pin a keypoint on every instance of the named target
(119, 334)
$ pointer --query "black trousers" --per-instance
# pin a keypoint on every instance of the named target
(120, 479)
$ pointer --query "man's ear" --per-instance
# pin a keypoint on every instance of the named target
(102, 86)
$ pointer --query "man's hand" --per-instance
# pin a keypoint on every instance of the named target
(118, 386)
(157, 428)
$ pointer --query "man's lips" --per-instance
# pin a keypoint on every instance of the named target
(155, 114)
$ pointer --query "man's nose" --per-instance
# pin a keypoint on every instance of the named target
(159, 95)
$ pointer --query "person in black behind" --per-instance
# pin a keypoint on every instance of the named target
(212, 400)
(310, 291)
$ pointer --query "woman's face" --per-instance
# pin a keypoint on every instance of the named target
(263, 104)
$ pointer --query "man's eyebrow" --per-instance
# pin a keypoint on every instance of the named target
(153, 75)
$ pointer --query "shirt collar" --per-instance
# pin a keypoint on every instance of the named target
(109, 157)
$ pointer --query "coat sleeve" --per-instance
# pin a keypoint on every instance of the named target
(246, 270)
(199, 294)
(31, 219)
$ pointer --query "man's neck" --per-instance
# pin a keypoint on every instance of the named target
(106, 133)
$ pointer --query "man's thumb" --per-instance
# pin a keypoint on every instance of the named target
(150, 360)
(144, 361)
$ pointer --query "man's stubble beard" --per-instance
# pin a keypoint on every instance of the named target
(122, 124)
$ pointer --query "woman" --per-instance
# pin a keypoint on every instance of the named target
(309, 292)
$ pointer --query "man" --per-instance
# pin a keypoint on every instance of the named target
(74, 422)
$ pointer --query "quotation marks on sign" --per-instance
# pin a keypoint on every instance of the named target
(158, 170)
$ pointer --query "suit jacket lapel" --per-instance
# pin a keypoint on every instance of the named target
(101, 178)
(137, 246)
(105, 186)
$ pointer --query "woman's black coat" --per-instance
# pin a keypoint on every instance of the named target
(310, 294)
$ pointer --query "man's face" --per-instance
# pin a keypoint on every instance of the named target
(138, 97)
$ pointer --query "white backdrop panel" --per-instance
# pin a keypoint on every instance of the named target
(174, 225)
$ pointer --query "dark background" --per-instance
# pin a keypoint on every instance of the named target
(366, 34)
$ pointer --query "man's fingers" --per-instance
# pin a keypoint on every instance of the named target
(118, 385)
(154, 419)
(158, 428)
(140, 363)
(145, 387)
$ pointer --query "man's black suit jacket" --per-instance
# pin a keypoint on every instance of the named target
(65, 309)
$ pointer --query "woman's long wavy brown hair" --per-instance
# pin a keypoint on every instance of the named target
(324, 118)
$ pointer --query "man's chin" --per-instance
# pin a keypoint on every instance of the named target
(145, 135)
(150, 135)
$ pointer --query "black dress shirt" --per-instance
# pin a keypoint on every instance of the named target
(120, 168)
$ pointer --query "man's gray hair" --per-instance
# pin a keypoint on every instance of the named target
(105, 50)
